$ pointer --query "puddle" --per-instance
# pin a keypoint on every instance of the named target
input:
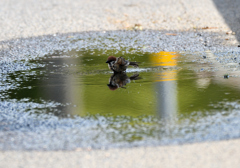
(167, 98)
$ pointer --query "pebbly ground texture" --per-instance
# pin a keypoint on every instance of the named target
(31, 29)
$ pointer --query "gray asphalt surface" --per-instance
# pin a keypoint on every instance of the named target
(38, 27)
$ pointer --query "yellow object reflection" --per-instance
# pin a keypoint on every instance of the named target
(164, 58)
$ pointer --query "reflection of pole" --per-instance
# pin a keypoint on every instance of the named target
(167, 99)
(166, 84)
(62, 88)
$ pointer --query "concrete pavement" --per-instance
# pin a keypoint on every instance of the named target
(208, 155)
(27, 18)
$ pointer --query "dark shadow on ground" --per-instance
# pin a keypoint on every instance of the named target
(230, 10)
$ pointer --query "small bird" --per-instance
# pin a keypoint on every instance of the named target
(119, 64)
(119, 80)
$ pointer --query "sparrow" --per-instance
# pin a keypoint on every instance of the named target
(119, 80)
(119, 64)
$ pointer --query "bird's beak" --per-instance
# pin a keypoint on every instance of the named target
(107, 61)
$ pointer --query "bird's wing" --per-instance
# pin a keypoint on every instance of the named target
(122, 61)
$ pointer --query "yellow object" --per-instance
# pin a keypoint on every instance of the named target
(165, 59)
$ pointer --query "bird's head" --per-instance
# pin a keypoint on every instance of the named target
(112, 87)
(111, 58)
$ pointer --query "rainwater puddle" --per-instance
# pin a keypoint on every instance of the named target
(168, 99)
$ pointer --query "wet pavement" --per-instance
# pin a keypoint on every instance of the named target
(31, 30)
(60, 94)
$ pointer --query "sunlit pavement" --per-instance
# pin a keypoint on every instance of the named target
(27, 18)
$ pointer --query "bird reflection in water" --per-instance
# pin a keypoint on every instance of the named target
(119, 80)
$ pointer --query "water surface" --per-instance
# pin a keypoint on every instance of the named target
(166, 99)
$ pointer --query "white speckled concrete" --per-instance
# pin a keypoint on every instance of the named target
(28, 18)
(208, 155)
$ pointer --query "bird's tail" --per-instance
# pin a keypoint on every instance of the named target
(135, 77)
(135, 64)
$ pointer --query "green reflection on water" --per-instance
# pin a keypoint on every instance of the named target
(80, 83)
